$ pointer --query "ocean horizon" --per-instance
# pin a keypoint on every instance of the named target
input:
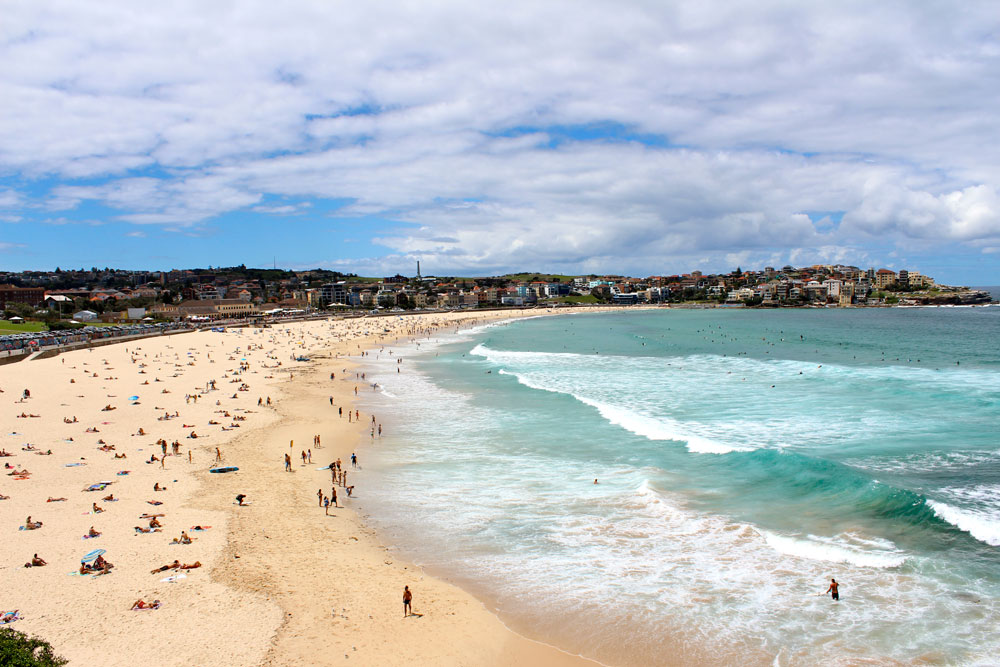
(742, 459)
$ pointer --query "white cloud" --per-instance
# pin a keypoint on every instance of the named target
(443, 115)
(970, 214)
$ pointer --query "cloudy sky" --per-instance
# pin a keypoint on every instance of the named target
(639, 137)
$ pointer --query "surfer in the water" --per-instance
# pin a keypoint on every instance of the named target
(832, 590)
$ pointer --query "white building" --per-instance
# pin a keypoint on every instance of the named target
(833, 288)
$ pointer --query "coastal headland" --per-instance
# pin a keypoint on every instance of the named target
(277, 580)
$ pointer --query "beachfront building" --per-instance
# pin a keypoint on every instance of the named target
(216, 308)
(814, 291)
(334, 294)
(833, 288)
(512, 300)
(740, 295)
(884, 278)
(846, 296)
(30, 296)
(210, 293)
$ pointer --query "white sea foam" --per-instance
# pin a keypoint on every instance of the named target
(650, 549)
(983, 527)
(653, 428)
(834, 551)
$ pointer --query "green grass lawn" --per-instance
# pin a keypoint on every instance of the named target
(7, 327)
(23, 327)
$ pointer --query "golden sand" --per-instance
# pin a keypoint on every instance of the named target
(282, 583)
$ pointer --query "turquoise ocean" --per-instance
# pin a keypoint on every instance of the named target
(743, 458)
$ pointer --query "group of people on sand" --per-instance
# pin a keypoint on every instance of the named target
(99, 566)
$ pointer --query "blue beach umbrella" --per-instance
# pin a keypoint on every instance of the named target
(92, 555)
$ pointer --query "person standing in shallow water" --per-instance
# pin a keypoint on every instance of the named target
(832, 590)
(407, 600)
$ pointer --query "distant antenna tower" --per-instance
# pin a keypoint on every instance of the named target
(418, 271)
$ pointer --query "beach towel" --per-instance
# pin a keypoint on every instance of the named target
(174, 578)
(9, 617)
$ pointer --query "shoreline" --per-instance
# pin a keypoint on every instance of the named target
(278, 586)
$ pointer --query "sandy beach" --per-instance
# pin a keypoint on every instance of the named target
(281, 581)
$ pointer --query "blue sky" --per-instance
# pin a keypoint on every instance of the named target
(576, 137)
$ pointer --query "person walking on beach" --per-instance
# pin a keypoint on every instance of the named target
(333, 496)
(832, 590)
(319, 494)
(354, 460)
(288, 463)
(407, 600)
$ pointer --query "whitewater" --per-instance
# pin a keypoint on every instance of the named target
(671, 487)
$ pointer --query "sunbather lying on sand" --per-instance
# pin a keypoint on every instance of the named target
(109, 498)
(140, 529)
(139, 604)
(163, 568)
(55, 500)
(108, 408)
